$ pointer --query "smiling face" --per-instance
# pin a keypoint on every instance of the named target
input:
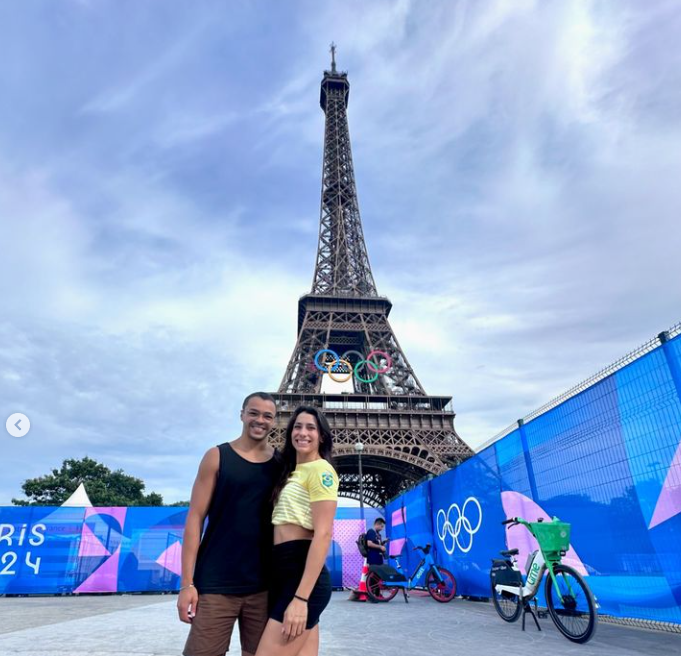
(258, 417)
(305, 436)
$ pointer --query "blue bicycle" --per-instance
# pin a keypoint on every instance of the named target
(383, 581)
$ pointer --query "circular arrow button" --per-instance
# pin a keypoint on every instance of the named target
(18, 425)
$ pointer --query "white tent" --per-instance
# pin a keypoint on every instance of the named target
(79, 499)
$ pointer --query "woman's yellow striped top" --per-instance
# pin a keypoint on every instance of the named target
(309, 482)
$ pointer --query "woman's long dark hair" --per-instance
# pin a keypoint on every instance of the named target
(288, 455)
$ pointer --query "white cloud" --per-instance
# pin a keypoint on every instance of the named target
(141, 78)
(181, 128)
(517, 167)
(45, 245)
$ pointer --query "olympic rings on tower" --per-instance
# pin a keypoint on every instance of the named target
(343, 362)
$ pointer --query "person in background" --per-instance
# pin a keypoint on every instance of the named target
(375, 543)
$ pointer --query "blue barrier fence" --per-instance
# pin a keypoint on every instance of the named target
(57, 550)
(607, 460)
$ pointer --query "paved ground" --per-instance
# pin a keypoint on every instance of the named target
(145, 625)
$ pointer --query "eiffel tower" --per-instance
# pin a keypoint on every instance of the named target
(376, 399)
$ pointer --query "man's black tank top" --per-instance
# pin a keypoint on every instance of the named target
(234, 553)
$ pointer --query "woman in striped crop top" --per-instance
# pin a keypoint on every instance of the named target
(304, 508)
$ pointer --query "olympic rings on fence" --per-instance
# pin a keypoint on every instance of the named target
(343, 362)
(446, 529)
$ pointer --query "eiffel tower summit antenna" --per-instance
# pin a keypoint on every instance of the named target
(371, 395)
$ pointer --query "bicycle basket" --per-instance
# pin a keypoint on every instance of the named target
(388, 573)
(553, 537)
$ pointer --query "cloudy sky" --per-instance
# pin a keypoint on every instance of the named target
(518, 173)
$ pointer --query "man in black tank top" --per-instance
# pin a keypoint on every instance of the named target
(225, 571)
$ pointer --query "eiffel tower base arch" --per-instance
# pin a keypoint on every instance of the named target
(405, 439)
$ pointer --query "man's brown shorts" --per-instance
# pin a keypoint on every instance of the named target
(211, 629)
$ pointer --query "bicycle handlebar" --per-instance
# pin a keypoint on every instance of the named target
(515, 521)
(524, 522)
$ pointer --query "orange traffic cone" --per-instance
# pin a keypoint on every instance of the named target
(362, 590)
(361, 593)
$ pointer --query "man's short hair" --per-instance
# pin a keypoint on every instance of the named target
(261, 395)
(379, 520)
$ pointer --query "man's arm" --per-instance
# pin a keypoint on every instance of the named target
(371, 543)
(202, 493)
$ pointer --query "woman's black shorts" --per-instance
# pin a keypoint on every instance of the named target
(288, 565)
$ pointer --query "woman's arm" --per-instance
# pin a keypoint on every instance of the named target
(295, 616)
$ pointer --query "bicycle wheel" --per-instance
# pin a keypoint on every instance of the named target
(442, 591)
(506, 604)
(574, 612)
(377, 590)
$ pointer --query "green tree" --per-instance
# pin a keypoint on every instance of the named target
(104, 487)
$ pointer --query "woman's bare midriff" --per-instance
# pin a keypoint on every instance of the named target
(288, 532)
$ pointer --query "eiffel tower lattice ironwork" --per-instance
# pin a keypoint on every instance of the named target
(406, 434)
